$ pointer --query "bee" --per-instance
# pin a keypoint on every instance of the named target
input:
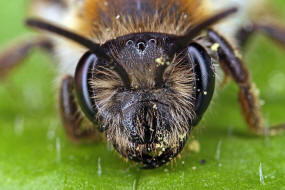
(143, 72)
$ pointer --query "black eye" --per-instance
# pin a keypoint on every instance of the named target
(205, 79)
(141, 46)
(153, 41)
(130, 43)
(82, 87)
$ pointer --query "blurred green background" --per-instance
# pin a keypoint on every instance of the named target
(36, 154)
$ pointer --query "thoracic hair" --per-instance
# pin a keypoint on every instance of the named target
(105, 20)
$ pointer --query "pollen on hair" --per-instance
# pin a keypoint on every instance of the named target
(215, 47)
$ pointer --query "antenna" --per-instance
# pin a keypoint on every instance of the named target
(183, 41)
(46, 26)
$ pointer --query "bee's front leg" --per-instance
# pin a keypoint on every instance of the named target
(273, 31)
(248, 95)
(76, 126)
(13, 56)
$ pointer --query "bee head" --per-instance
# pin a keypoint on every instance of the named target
(146, 90)
(145, 97)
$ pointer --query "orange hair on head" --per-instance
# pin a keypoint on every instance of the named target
(91, 21)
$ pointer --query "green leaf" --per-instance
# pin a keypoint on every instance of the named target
(36, 154)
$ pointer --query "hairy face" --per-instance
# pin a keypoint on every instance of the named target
(145, 100)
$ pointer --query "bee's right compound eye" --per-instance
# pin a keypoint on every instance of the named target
(82, 88)
(205, 79)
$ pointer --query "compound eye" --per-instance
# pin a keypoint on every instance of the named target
(90, 68)
(205, 79)
(82, 88)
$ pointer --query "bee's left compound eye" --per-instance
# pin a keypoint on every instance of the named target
(82, 88)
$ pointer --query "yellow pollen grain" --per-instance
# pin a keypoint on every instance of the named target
(159, 61)
(215, 47)
(238, 54)
(194, 146)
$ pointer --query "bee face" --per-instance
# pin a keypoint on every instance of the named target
(143, 96)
